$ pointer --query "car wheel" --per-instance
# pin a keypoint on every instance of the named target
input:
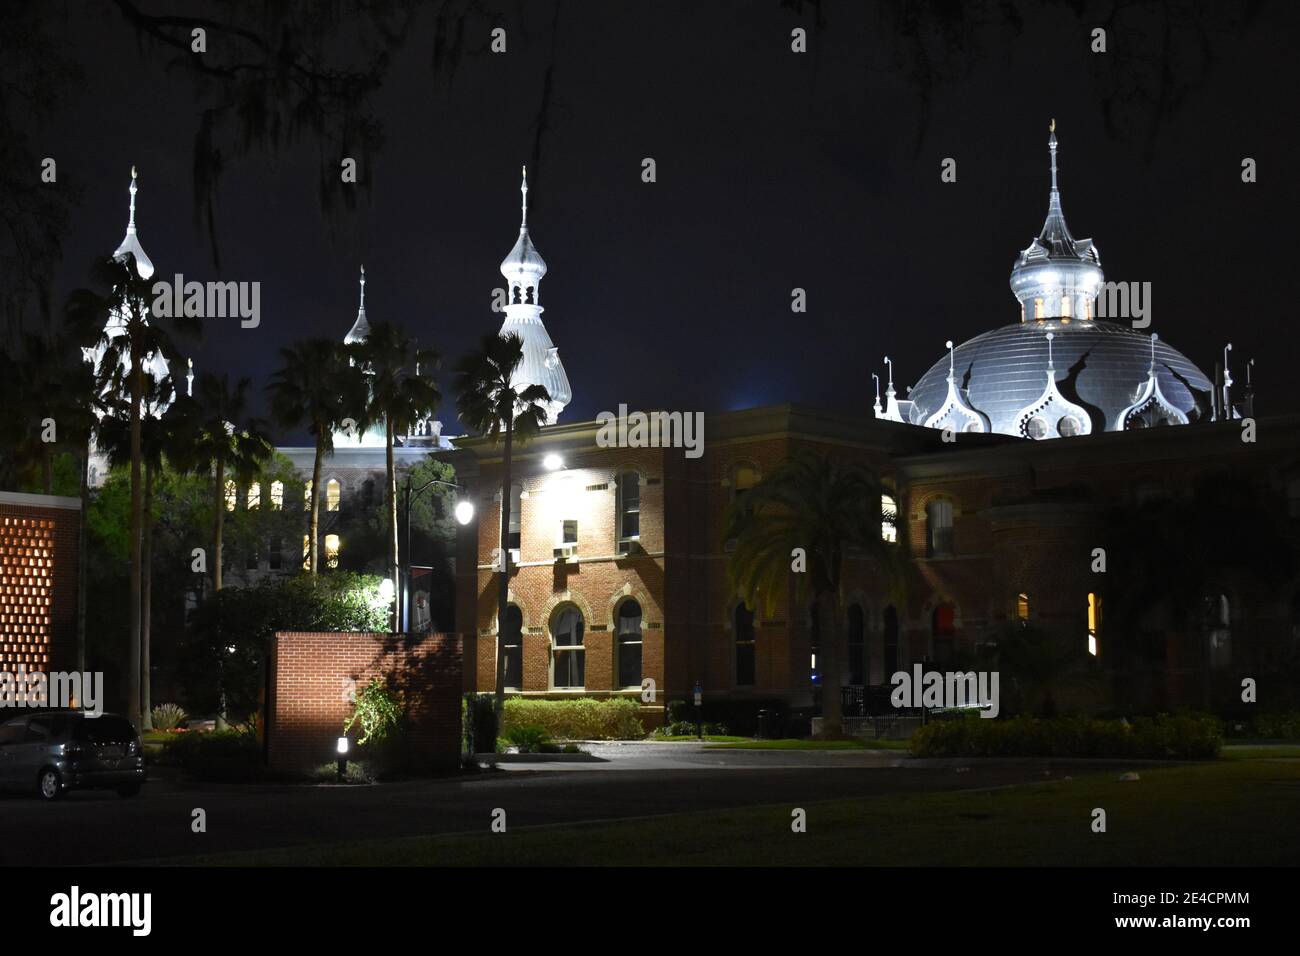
(49, 785)
(129, 790)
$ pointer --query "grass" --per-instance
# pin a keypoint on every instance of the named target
(1273, 752)
(849, 743)
(1220, 813)
(708, 738)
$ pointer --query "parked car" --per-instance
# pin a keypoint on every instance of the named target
(54, 751)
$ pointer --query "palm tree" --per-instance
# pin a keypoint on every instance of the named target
(129, 342)
(318, 386)
(489, 403)
(399, 397)
(115, 440)
(215, 436)
(824, 508)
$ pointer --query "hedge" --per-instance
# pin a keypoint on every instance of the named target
(582, 719)
(1161, 737)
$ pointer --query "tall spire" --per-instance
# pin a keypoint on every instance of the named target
(131, 242)
(360, 330)
(523, 191)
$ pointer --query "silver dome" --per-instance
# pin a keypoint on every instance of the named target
(1099, 366)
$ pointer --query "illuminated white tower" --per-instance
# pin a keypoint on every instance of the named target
(523, 269)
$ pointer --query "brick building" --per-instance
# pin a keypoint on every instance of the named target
(618, 571)
(39, 551)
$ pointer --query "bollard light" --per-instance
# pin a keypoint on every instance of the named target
(342, 748)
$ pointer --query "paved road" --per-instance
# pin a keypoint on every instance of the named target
(90, 828)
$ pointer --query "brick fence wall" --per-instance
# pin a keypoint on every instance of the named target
(309, 677)
(39, 537)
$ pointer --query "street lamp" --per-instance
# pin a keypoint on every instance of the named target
(552, 462)
(464, 515)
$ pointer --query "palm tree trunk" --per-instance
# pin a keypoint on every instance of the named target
(832, 696)
(220, 523)
(137, 508)
(392, 519)
(146, 591)
(503, 583)
(81, 564)
(313, 545)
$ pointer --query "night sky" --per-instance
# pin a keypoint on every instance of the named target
(775, 171)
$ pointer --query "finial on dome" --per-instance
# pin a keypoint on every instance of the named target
(1050, 366)
(876, 379)
(1051, 127)
(1051, 145)
(889, 362)
(952, 360)
(130, 226)
(523, 191)
(1155, 337)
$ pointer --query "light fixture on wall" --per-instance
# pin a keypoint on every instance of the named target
(464, 511)
(552, 462)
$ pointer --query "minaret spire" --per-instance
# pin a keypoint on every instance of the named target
(130, 225)
(523, 191)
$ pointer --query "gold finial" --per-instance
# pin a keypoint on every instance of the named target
(1051, 127)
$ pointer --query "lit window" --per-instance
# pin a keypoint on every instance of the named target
(888, 519)
(742, 622)
(1087, 308)
(516, 516)
(232, 495)
(1065, 307)
(1022, 607)
(629, 644)
(333, 490)
(254, 495)
(306, 496)
(277, 495)
(306, 552)
(331, 551)
(938, 514)
(746, 477)
(570, 657)
(569, 531)
(1038, 308)
(1094, 621)
(629, 510)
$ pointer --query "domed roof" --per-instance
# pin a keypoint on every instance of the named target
(1100, 370)
(523, 263)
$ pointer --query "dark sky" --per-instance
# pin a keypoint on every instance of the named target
(775, 170)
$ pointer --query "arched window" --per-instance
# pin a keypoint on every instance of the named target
(306, 552)
(857, 641)
(332, 547)
(943, 628)
(888, 518)
(512, 649)
(570, 655)
(890, 620)
(1218, 628)
(742, 624)
(629, 511)
(254, 495)
(628, 625)
(277, 495)
(306, 495)
(938, 527)
(333, 492)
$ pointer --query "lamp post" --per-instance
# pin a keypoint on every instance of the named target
(464, 515)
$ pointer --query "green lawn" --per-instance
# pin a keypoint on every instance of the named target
(1273, 752)
(1222, 813)
(855, 743)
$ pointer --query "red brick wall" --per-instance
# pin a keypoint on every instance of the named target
(307, 700)
(38, 582)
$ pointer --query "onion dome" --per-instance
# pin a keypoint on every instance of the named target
(523, 269)
(1056, 275)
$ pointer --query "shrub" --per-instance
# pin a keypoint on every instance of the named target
(584, 718)
(1163, 736)
(529, 740)
(479, 723)
(1281, 726)
(217, 755)
(378, 710)
(168, 716)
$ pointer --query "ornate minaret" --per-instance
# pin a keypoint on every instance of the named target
(523, 269)
(1056, 276)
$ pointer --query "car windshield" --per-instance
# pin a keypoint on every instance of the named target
(105, 730)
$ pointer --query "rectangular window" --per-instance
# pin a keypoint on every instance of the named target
(252, 561)
(939, 521)
(569, 531)
(629, 510)
(332, 546)
(232, 495)
(306, 552)
(276, 558)
(888, 519)
(254, 495)
(1022, 607)
(277, 495)
(306, 496)
(516, 517)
